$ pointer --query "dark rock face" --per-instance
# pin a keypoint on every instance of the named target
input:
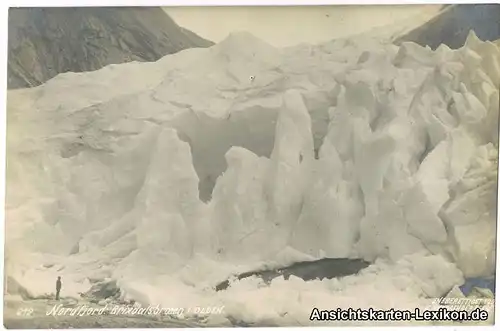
(310, 270)
(44, 42)
(102, 290)
(453, 25)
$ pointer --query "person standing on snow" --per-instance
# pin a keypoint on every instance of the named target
(58, 287)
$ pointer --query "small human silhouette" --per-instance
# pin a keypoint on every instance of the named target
(58, 287)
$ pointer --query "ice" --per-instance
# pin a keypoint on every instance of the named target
(239, 209)
(171, 176)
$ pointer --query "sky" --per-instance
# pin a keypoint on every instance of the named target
(287, 26)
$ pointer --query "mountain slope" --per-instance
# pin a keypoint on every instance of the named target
(44, 42)
(453, 25)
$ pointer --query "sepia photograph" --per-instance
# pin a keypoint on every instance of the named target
(251, 166)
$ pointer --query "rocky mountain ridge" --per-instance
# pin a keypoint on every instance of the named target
(44, 42)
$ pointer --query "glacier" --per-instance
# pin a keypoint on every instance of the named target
(170, 176)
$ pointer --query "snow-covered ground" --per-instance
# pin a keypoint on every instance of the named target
(170, 176)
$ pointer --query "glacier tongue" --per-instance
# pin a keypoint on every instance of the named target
(335, 150)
